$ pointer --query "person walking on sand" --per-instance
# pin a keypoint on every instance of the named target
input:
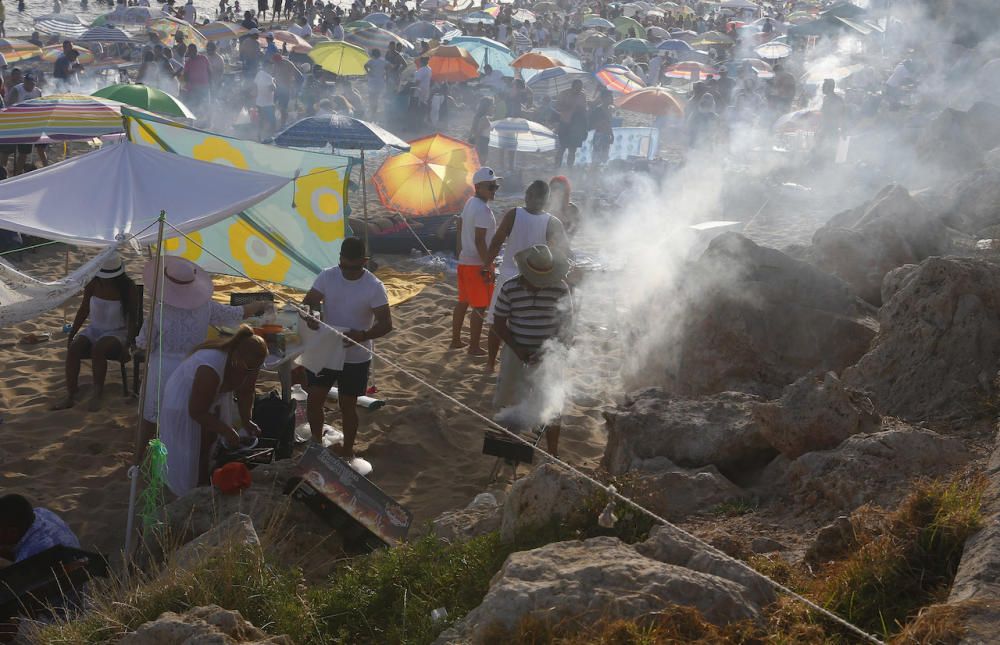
(476, 226)
(521, 228)
(351, 297)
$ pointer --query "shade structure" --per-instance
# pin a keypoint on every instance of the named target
(60, 117)
(15, 50)
(619, 79)
(799, 121)
(285, 39)
(595, 40)
(522, 135)
(487, 51)
(343, 59)
(422, 30)
(633, 46)
(712, 39)
(689, 70)
(378, 19)
(561, 56)
(218, 30)
(596, 22)
(451, 63)
(433, 178)
(104, 35)
(147, 98)
(533, 60)
(64, 24)
(478, 18)
(674, 45)
(773, 51)
(343, 132)
(549, 82)
(369, 39)
(128, 16)
(651, 100)
(623, 24)
(136, 183)
(51, 54)
(658, 33)
(167, 28)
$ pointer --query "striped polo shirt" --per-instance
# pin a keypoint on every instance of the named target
(532, 316)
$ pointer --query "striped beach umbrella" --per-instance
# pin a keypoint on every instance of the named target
(218, 30)
(619, 79)
(378, 19)
(104, 35)
(521, 135)
(344, 132)
(128, 16)
(167, 27)
(433, 178)
(145, 97)
(51, 54)
(296, 44)
(651, 100)
(690, 70)
(67, 25)
(521, 42)
(369, 39)
(15, 51)
(549, 82)
(487, 51)
(60, 117)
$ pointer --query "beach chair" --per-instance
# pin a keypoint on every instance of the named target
(135, 317)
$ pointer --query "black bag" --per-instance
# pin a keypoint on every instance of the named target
(276, 420)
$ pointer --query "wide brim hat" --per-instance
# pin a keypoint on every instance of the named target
(185, 285)
(542, 267)
(112, 267)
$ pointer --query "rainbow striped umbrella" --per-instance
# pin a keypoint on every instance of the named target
(15, 51)
(690, 70)
(166, 27)
(60, 117)
(51, 54)
(222, 30)
(619, 79)
(375, 38)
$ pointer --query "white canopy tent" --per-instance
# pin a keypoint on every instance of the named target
(104, 197)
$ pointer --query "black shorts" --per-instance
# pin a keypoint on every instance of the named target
(352, 380)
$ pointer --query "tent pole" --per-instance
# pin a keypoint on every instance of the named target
(138, 452)
(364, 199)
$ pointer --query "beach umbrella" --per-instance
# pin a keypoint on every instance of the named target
(596, 22)
(759, 67)
(657, 32)
(340, 58)
(435, 4)
(632, 46)
(478, 18)
(689, 70)
(422, 30)
(59, 117)
(104, 35)
(533, 60)
(545, 7)
(793, 122)
(654, 13)
(359, 24)
(167, 28)
(486, 51)
(433, 178)
(521, 135)
(378, 19)
(712, 39)
(51, 54)
(619, 79)
(521, 42)
(594, 40)
(549, 82)
(451, 63)
(15, 50)
(561, 56)
(65, 24)
(773, 50)
(218, 30)
(683, 34)
(651, 100)
(296, 44)
(523, 15)
(128, 16)
(674, 45)
(624, 23)
(147, 98)
(376, 38)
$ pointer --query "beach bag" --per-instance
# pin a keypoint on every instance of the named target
(276, 420)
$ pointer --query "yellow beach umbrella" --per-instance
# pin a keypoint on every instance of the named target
(337, 57)
(433, 178)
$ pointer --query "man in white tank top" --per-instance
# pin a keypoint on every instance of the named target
(521, 228)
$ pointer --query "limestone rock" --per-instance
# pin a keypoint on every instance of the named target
(211, 625)
(238, 528)
(714, 430)
(815, 414)
(958, 140)
(481, 516)
(675, 493)
(594, 579)
(546, 495)
(973, 202)
(871, 468)
(938, 348)
(893, 281)
(832, 541)
(761, 544)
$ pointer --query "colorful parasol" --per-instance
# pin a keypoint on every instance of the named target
(147, 98)
(296, 44)
(166, 28)
(651, 100)
(451, 63)
(433, 178)
(712, 39)
(487, 51)
(221, 30)
(624, 23)
(533, 60)
(343, 59)
(65, 24)
(619, 79)
(15, 51)
(690, 70)
(60, 117)
(51, 54)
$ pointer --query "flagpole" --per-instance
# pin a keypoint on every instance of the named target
(364, 199)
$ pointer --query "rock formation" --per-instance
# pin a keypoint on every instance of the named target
(211, 625)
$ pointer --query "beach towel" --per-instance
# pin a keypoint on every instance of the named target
(25, 298)
(400, 287)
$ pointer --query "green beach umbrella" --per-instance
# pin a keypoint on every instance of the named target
(147, 98)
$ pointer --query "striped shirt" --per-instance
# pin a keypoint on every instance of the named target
(532, 316)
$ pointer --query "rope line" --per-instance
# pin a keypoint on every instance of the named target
(610, 490)
(33, 246)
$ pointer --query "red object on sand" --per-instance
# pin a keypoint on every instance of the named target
(232, 478)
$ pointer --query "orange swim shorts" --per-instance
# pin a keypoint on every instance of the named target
(473, 287)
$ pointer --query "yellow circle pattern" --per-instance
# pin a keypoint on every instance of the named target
(190, 249)
(219, 151)
(260, 259)
(319, 198)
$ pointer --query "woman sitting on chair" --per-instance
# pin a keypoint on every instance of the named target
(106, 304)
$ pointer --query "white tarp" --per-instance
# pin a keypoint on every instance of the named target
(103, 197)
(24, 298)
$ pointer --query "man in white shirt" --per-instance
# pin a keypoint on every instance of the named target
(265, 88)
(300, 28)
(476, 226)
(422, 79)
(351, 297)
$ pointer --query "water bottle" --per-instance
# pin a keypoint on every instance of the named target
(299, 396)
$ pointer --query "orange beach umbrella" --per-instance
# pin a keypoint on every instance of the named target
(534, 60)
(451, 63)
(433, 178)
(651, 100)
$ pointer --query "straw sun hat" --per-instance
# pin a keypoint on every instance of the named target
(112, 267)
(541, 267)
(185, 285)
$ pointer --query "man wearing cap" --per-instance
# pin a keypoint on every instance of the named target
(351, 298)
(476, 226)
(531, 310)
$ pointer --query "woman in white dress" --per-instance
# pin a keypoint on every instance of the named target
(106, 303)
(197, 407)
(187, 312)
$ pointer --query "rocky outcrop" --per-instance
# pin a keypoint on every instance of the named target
(674, 493)
(236, 529)
(832, 541)
(973, 202)
(868, 468)
(211, 625)
(815, 414)
(483, 515)
(938, 348)
(548, 494)
(862, 245)
(717, 430)
(957, 140)
(750, 319)
(595, 579)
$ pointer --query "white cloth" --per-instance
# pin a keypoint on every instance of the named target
(322, 348)
(179, 432)
(106, 319)
(24, 298)
(476, 214)
(422, 78)
(351, 304)
(265, 89)
(182, 330)
(528, 230)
